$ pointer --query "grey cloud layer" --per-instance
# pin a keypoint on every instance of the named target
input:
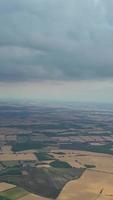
(56, 39)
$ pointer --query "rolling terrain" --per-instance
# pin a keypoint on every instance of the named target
(55, 152)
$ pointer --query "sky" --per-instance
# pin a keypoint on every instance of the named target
(56, 49)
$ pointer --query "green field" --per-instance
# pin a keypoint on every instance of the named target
(13, 194)
(44, 156)
(3, 198)
(60, 164)
(47, 182)
(15, 170)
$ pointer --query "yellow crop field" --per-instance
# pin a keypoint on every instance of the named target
(91, 185)
(6, 186)
(95, 183)
(33, 197)
(17, 156)
(76, 158)
(105, 198)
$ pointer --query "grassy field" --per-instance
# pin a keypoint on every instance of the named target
(43, 156)
(4, 198)
(14, 193)
(15, 170)
(60, 164)
(47, 182)
(9, 163)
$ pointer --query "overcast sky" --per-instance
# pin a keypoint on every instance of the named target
(57, 49)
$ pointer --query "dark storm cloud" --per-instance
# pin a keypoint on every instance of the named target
(56, 39)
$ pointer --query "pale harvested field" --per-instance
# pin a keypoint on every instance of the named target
(17, 156)
(105, 198)
(89, 187)
(28, 151)
(6, 149)
(43, 165)
(102, 162)
(5, 186)
(33, 197)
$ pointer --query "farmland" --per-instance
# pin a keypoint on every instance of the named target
(17, 156)
(56, 151)
(33, 197)
(92, 185)
(14, 193)
(6, 186)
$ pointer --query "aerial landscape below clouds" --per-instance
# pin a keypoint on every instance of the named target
(56, 99)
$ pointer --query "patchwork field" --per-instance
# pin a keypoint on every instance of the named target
(13, 194)
(5, 186)
(102, 162)
(46, 182)
(95, 183)
(46, 150)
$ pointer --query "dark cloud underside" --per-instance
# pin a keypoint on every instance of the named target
(56, 39)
